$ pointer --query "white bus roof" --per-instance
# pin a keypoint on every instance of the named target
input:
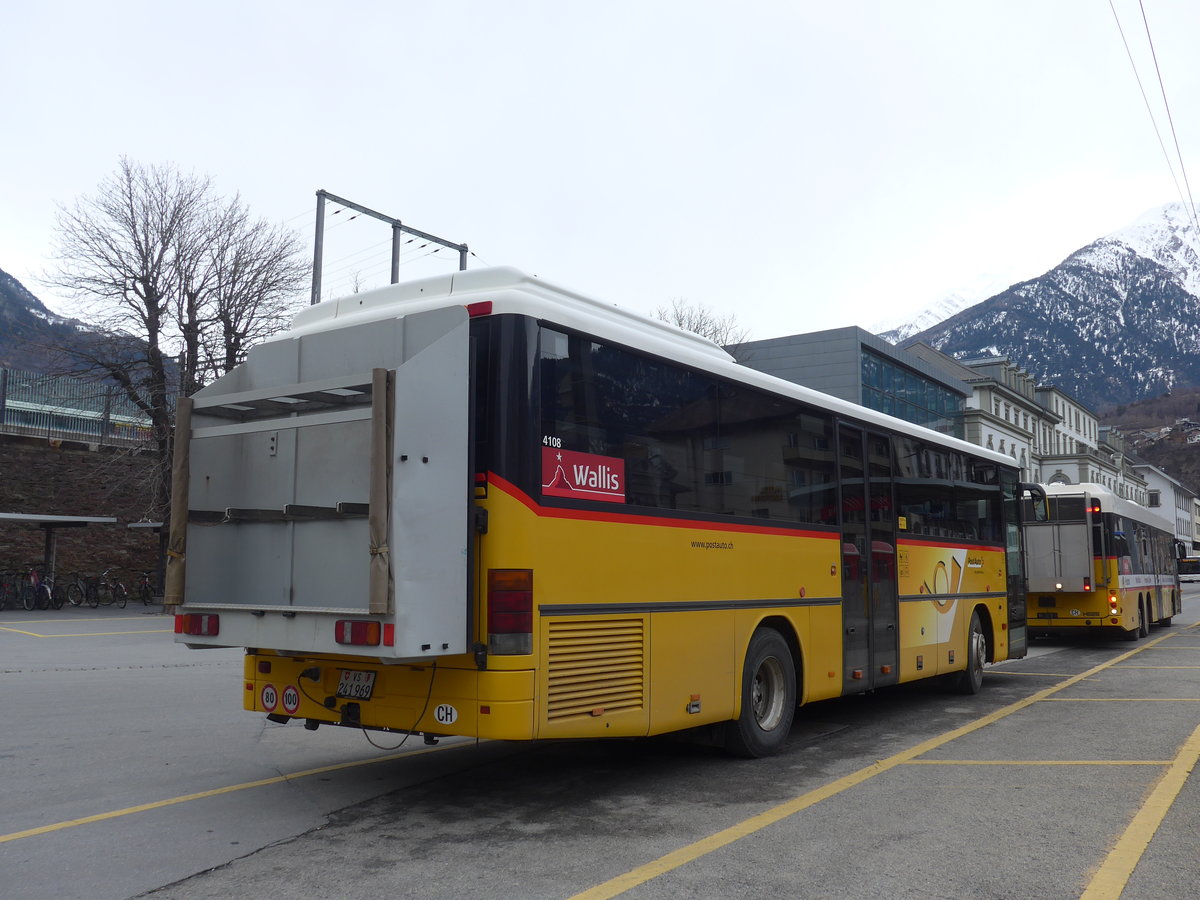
(1110, 502)
(511, 291)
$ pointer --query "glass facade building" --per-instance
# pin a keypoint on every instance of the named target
(899, 391)
(863, 368)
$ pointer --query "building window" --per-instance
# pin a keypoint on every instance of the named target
(1153, 499)
(892, 389)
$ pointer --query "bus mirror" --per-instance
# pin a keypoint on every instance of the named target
(1037, 497)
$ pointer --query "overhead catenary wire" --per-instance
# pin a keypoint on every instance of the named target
(1185, 200)
(1191, 205)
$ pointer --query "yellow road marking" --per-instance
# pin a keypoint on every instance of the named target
(1039, 674)
(88, 633)
(677, 858)
(1160, 667)
(1110, 879)
(1123, 699)
(1038, 762)
(216, 792)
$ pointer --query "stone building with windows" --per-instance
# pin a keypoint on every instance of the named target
(1170, 499)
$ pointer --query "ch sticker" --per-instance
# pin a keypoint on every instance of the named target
(445, 714)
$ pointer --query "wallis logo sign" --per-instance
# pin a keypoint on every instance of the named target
(584, 476)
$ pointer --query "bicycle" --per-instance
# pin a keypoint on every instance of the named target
(106, 591)
(145, 592)
(76, 591)
(9, 590)
(35, 592)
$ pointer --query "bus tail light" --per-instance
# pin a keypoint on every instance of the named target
(357, 632)
(510, 611)
(202, 624)
(1087, 584)
(1112, 603)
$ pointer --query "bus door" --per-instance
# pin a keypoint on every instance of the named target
(885, 603)
(870, 617)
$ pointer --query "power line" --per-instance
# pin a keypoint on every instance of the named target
(1191, 205)
(1188, 207)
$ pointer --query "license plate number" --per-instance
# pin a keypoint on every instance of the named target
(1046, 615)
(356, 685)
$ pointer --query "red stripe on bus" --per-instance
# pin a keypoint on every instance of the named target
(660, 522)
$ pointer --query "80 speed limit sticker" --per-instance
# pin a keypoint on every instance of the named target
(270, 697)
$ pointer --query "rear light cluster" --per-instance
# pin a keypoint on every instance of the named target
(510, 611)
(202, 624)
(364, 633)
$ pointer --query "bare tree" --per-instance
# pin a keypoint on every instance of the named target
(699, 319)
(176, 282)
(257, 271)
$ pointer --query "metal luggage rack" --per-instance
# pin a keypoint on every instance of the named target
(291, 512)
(329, 401)
(309, 397)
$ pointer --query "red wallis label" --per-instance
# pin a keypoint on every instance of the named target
(584, 476)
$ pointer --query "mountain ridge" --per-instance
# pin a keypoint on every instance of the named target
(1116, 321)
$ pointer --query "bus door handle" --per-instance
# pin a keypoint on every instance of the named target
(850, 630)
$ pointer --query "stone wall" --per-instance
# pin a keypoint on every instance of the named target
(64, 478)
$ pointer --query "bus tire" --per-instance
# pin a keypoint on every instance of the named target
(1166, 623)
(970, 679)
(1143, 622)
(768, 698)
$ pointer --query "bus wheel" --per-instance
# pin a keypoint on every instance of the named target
(1143, 622)
(768, 698)
(970, 680)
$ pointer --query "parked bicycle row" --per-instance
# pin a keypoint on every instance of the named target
(31, 589)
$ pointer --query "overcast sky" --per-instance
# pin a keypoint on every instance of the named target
(803, 165)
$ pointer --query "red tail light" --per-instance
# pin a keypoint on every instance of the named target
(203, 624)
(510, 611)
(357, 632)
(482, 308)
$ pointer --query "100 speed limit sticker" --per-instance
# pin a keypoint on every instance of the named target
(271, 698)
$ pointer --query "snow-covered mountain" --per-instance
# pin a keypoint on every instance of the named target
(937, 312)
(963, 297)
(29, 332)
(1116, 321)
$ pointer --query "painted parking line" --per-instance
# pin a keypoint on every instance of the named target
(1110, 879)
(684, 855)
(39, 634)
(227, 789)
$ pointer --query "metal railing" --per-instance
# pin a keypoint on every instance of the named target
(58, 407)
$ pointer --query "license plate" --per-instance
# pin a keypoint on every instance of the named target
(356, 685)
(1041, 615)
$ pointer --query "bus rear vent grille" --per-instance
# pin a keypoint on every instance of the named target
(597, 665)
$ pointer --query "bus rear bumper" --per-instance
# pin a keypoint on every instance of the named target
(446, 699)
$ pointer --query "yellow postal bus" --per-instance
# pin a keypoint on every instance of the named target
(483, 505)
(1098, 561)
